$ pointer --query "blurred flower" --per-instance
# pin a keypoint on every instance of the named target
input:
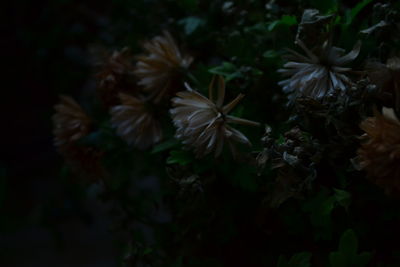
(163, 64)
(135, 122)
(387, 78)
(202, 123)
(113, 77)
(379, 155)
(317, 74)
(70, 122)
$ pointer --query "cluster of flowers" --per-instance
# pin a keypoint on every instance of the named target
(138, 90)
(135, 108)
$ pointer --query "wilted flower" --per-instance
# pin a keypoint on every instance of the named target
(203, 123)
(136, 123)
(162, 66)
(312, 26)
(379, 155)
(70, 122)
(115, 71)
(387, 78)
(317, 74)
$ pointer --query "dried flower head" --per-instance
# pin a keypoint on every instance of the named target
(203, 123)
(387, 78)
(70, 122)
(379, 155)
(317, 74)
(114, 76)
(162, 65)
(294, 156)
(136, 123)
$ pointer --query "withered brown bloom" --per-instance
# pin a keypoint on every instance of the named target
(387, 78)
(163, 64)
(136, 123)
(203, 123)
(71, 123)
(379, 154)
(115, 75)
(319, 72)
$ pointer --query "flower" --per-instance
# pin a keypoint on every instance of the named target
(387, 78)
(135, 122)
(379, 155)
(317, 74)
(113, 76)
(202, 123)
(163, 64)
(70, 122)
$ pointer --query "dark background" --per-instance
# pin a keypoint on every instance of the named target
(45, 220)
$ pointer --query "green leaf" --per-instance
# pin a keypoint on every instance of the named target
(286, 20)
(180, 157)
(347, 256)
(191, 24)
(300, 260)
(164, 146)
(348, 243)
(350, 15)
(271, 54)
(228, 70)
(342, 197)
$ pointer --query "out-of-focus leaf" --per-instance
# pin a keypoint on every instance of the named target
(164, 146)
(342, 197)
(286, 20)
(180, 157)
(191, 24)
(351, 14)
(320, 208)
(228, 70)
(347, 256)
(271, 54)
(302, 259)
(348, 244)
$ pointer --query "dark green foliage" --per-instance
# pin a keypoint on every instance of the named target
(347, 254)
